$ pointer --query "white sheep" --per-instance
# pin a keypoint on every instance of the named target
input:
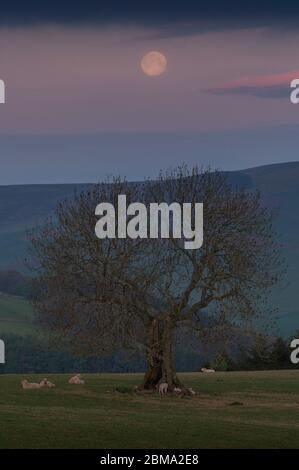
(76, 380)
(45, 383)
(207, 371)
(163, 387)
(29, 386)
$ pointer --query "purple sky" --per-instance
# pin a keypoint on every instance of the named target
(73, 92)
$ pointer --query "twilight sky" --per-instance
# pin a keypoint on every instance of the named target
(78, 106)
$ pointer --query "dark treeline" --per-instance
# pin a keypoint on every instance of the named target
(264, 353)
(32, 354)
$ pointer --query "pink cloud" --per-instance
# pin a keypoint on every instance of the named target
(264, 86)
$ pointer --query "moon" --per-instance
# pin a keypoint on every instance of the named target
(153, 64)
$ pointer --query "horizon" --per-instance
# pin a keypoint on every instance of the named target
(77, 183)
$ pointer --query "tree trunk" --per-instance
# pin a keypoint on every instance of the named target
(160, 356)
(154, 355)
(168, 368)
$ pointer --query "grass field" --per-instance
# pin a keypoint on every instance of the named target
(231, 410)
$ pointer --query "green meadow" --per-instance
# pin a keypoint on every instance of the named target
(230, 410)
(15, 315)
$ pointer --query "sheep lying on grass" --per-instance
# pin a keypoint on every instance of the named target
(181, 391)
(45, 383)
(76, 380)
(28, 386)
(207, 371)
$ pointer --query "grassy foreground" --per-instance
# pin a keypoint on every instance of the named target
(231, 410)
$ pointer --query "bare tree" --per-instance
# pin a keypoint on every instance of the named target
(103, 295)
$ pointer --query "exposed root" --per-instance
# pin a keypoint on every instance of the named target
(164, 390)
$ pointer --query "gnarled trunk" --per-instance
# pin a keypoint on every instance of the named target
(160, 356)
(154, 355)
(168, 367)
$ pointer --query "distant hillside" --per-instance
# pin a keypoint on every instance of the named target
(23, 206)
(276, 177)
(279, 186)
(16, 316)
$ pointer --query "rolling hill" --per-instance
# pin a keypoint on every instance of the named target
(279, 186)
(23, 206)
(15, 315)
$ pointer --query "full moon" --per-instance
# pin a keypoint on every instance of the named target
(153, 63)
